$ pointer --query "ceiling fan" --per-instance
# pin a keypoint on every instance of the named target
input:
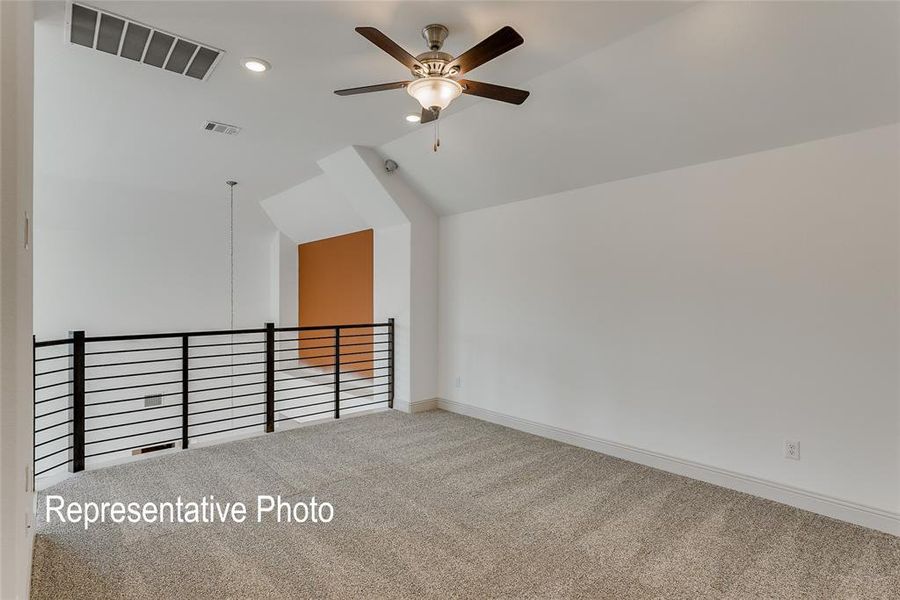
(436, 74)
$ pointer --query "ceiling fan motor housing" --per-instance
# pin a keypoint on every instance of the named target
(434, 62)
(434, 35)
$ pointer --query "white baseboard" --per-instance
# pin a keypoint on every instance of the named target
(416, 405)
(836, 508)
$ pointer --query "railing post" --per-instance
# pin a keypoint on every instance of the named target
(391, 362)
(77, 401)
(337, 372)
(270, 377)
(185, 347)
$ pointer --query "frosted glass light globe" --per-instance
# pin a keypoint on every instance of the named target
(434, 91)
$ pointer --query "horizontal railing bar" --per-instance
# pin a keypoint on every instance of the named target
(53, 467)
(225, 398)
(370, 352)
(46, 456)
(52, 357)
(297, 387)
(133, 350)
(128, 435)
(53, 371)
(229, 375)
(361, 362)
(304, 339)
(148, 444)
(50, 385)
(366, 404)
(225, 387)
(161, 336)
(331, 346)
(231, 418)
(331, 327)
(301, 348)
(362, 396)
(65, 435)
(67, 394)
(48, 343)
(132, 374)
(132, 362)
(366, 387)
(366, 371)
(212, 410)
(202, 356)
(278, 360)
(365, 378)
(323, 412)
(132, 387)
(309, 367)
(225, 344)
(306, 405)
(227, 430)
(131, 399)
(331, 393)
(358, 335)
(52, 413)
(178, 416)
(134, 410)
(228, 366)
(37, 431)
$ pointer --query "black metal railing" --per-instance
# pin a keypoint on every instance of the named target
(103, 396)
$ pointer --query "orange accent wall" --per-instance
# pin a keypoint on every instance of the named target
(336, 288)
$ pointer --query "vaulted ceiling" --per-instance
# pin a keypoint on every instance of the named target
(618, 89)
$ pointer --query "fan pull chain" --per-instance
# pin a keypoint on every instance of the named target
(437, 137)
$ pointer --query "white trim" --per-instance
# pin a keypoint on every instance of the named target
(416, 406)
(836, 508)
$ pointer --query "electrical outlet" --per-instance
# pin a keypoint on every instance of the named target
(792, 449)
(458, 382)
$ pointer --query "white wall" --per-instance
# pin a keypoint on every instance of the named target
(287, 282)
(112, 259)
(16, 118)
(391, 298)
(707, 313)
(422, 276)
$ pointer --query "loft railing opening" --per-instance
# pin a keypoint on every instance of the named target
(102, 398)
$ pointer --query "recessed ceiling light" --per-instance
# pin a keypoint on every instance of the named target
(257, 65)
(413, 118)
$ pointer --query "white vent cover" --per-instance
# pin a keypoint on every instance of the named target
(113, 34)
(225, 128)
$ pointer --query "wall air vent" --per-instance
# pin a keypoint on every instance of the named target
(113, 34)
(215, 127)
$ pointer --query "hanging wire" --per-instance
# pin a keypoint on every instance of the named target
(231, 185)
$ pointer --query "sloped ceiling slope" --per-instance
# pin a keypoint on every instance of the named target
(714, 81)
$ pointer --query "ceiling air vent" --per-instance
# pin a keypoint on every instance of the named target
(113, 34)
(215, 127)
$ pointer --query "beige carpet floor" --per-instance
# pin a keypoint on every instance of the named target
(437, 505)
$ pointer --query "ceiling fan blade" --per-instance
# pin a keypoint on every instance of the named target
(391, 47)
(494, 92)
(501, 41)
(430, 114)
(381, 87)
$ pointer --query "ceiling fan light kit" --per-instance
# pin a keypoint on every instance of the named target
(434, 92)
(435, 84)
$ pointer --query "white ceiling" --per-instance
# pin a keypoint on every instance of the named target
(101, 117)
(618, 89)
